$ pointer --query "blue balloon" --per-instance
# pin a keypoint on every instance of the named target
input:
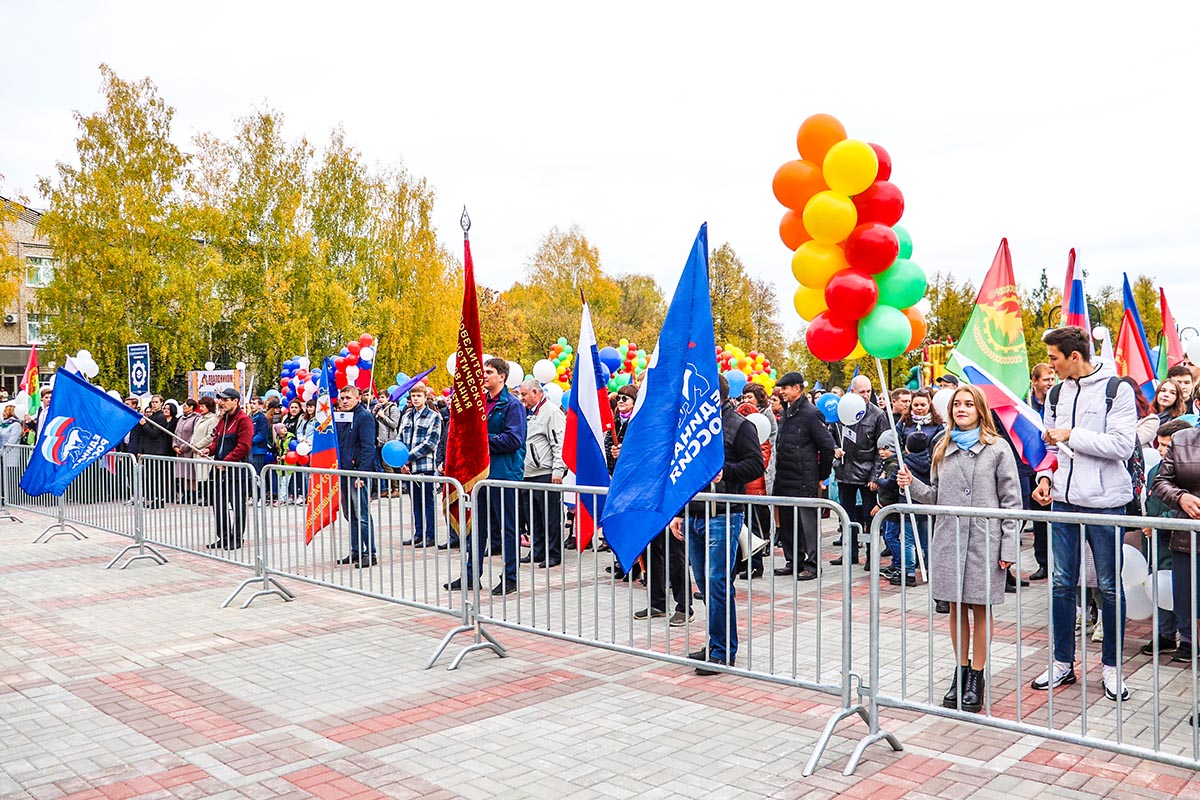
(401, 378)
(391, 389)
(395, 454)
(827, 404)
(605, 371)
(344, 352)
(363, 364)
(566, 398)
(611, 358)
(737, 381)
(292, 444)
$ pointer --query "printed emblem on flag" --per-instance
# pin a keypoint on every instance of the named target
(1001, 337)
(65, 443)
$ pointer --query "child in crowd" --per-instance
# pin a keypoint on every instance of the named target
(888, 493)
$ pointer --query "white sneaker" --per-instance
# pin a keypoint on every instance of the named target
(1064, 673)
(1098, 633)
(1114, 683)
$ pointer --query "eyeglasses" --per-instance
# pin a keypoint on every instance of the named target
(624, 399)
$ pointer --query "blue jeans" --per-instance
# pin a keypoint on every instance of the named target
(423, 512)
(712, 548)
(356, 507)
(913, 538)
(1105, 541)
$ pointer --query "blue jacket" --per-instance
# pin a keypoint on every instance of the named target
(260, 445)
(356, 440)
(506, 437)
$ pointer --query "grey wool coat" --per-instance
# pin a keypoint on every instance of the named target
(983, 477)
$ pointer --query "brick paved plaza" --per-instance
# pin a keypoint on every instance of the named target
(134, 683)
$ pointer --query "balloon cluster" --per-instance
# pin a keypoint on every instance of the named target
(623, 362)
(295, 381)
(355, 362)
(858, 284)
(556, 368)
(87, 365)
(740, 368)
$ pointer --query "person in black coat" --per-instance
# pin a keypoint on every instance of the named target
(803, 459)
(355, 428)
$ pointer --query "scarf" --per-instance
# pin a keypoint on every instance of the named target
(625, 415)
(923, 420)
(965, 439)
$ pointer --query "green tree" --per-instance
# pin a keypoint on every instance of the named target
(950, 306)
(639, 315)
(764, 319)
(130, 266)
(11, 269)
(729, 286)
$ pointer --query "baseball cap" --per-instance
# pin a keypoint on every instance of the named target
(948, 379)
(229, 393)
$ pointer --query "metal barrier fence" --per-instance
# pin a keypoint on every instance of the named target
(1018, 687)
(790, 624)
(15, 458)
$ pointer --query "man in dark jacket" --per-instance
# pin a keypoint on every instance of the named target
(858, 463)
(230, 446)
(803, 459)
(356, 451)
(712, 534)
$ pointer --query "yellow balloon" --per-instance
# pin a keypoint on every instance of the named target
(814, 263)
(858, 352)
(809, 302)
(850, 167)
(829, 217)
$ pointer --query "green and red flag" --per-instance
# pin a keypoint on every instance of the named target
(30, 384)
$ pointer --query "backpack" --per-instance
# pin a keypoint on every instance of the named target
(1135, 465)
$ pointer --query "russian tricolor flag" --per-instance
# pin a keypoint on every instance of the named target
(588, 417)
(1024, 426)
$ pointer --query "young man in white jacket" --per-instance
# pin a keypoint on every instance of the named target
(545, 430)
(1092, 418)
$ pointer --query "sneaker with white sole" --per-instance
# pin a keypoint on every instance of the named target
(1113, 683)
(647, 613)
(1063, 674)
(680, 618)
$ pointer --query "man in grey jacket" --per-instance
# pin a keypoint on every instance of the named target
(545, 429)
(1092, 418)
(857, 463)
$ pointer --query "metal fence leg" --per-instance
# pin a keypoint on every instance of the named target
(64, 528)
(139, 531)
(270, 586)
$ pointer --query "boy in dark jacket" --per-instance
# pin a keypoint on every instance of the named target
(887, 493)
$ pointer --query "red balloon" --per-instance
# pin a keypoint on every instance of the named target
(354, 347)
(283, 383)
(302, 374)
(829, 340)
(885, 163)
(339, 363)
(366, 340)
(303, 460)
(351, 360)
(872, 247)
(882, 202)
(291, 457)
(850, 295)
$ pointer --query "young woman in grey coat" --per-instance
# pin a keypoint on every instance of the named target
(973, 466)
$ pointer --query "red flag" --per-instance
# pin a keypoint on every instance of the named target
(467, 459)
(1170, 333)
(324, 493)
(1131, 358)
(1066, 298)
(29, 383)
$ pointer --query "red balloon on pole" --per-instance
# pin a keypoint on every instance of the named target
(850, 294)
(885, 163)
(829, 340)
(339, 363)
(882, 202)
(353, 347)
(872, 247)
(366, 340)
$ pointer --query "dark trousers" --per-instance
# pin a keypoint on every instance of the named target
(760, 521)
(666, 563)
(542, 517)
(1041, 531)
(497, 516)
(230, 488)
(356, 507)
(858, 501)
(799, 535)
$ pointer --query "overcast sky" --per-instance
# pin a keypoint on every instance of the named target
(1057, 125)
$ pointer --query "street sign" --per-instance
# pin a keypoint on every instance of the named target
(139, 369)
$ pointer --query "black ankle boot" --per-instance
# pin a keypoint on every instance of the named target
(959, 679)
(972, 698)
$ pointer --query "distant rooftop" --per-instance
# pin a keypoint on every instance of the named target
(30, 215)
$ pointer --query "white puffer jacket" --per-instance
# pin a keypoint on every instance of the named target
(1096, 476)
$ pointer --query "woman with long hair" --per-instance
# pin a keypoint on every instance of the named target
(1168, 401)
(972, 466)
(921, 417)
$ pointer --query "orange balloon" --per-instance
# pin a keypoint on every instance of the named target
(817, 134)
(796, 181)
(792, 230)
(919, 328)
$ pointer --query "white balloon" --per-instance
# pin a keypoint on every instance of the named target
(1100, 333)
(544, 370)
(83, 355)
(851, 409)
(941, 401)
(304, 362)
(303, 447)
(114, 394)
(20, 404)
(367, 354)
(1166, 596)
(554, 394)
(452, 364)
(515, 375)
(762, 424)
(241, 365)
(210, 366)
(351, 373)
(91, 369)
(1152, 458)
(308, 392)
(1138, 604)
(1135, 569)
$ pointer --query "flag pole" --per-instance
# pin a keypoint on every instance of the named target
(887, 399)
(173, 436)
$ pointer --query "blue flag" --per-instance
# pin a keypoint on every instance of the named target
(673, 447)
(82, 424)
(1131, 304)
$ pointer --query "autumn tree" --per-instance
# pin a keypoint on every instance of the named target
(729, 286)
(12, 271)
(640, 312)
(130, 267)
(764, 319)
(950, 305)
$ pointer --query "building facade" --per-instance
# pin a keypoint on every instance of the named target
(20, 328)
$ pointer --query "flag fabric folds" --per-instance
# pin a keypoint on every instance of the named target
(1131, 307)
(323, 489)
(674, 445)
(404, 388)
(588, 417)
(1069, 285)
(994, 336)
(1132, 358)
(1077, 312)
(82, 425)
(1174, 347)
(30, 384)
(1023, 424)
(467, 457)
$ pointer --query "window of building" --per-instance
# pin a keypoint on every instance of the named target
(37, 325)
(39, 271)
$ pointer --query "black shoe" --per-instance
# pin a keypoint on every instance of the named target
(699, 655)
(806, 575)
(757, 572)
(698, 595)
(907, 580)
(504, 587)
(972, 696)
(570, 543)
(448, 546)
(941, 606)
(837, 542)
(549, 564)
(960, 679)
(702, 670)
(351, 559)
(215, 546)
(1039, 574)
(362, 562)
(1182, 655)
(888, 572)
(885, 553)
(837, 562)
(457, 584)
(786, 569)
(1010, 580)
(1164, 646)
(407, 541)
(525, 559)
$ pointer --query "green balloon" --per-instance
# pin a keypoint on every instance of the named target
(905, 241)
(885, 332)
(562, 340)
(568, 350)
(902, 284)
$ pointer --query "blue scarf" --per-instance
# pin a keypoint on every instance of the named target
(965, 439)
